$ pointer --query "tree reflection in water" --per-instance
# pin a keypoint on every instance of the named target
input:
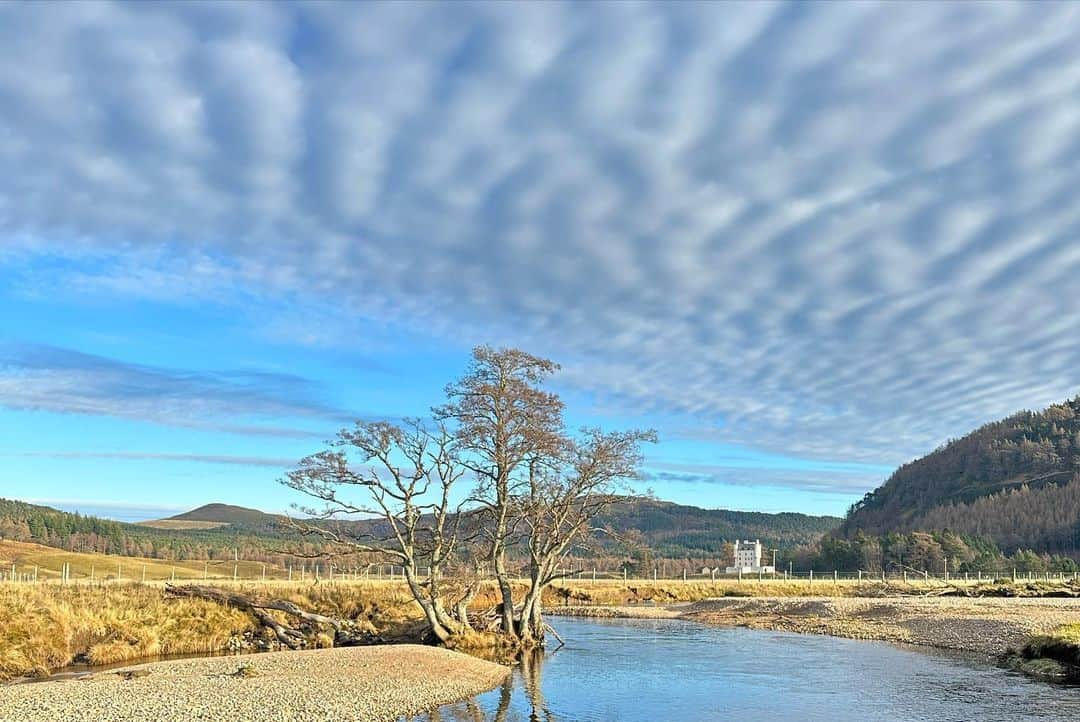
(529, 671)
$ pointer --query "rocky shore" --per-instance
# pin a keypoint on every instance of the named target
(989, 626)
(371, 684)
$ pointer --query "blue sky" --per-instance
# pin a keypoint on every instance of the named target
(806, 242)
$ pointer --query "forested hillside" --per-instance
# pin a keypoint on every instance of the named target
(74, 532)
(1015, 482)
(677, 531)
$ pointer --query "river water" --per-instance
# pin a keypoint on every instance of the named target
(654, 670)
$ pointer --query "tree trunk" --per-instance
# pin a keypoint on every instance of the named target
(507, 592)
(289, 636)
(430, 607)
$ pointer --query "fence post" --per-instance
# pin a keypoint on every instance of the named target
(234, 570)
(654, 569)
(683, 574)
(290, 572)
(624, 574)
(860, 576)
(811, 577)
(205, 570)
(264, 572)
(835, 576)
(144, 574)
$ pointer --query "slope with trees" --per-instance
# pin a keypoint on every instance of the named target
(1013, 485)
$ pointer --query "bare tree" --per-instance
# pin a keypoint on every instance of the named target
(504, 422)
(564, 498)
(537, 490)
(536, 484)
(404, 475)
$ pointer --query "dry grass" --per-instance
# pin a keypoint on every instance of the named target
(618, 592)
(48, 626)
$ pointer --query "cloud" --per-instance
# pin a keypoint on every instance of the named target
(48, 378)
(821, 480)
(842, 230)
(282, 462)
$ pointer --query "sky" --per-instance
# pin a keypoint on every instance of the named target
(805, 242)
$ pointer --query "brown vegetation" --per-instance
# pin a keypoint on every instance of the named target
(49, 626)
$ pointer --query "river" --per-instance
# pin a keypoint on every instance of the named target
(655, 670)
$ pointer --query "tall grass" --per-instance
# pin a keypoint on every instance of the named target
(616, 592)
(44, 627)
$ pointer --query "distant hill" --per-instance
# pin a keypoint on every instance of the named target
(679, 531)
(253, 538)
(222, 514)
(1014, 481)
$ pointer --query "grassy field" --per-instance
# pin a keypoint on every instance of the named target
(49, 561)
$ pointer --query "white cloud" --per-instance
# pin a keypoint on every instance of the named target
(847, 230)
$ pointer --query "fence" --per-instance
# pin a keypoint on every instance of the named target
(242, 571)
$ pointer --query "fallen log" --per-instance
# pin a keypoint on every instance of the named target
(345, 633)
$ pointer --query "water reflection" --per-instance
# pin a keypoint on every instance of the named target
(645, 670)
(527, 677)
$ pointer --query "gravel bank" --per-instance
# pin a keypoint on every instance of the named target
(358, 683)
(988, 625)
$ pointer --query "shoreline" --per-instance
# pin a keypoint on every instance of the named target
(990, 626)
(373, 683)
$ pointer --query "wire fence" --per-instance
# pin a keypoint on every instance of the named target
(246, 571)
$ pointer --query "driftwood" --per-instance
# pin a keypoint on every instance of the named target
(293, 638)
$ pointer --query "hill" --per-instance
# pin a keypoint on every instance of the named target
(680, 531)
(1015, 482)
(221, 514)
(24, 522)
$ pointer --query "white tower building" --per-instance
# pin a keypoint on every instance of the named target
(748, 559)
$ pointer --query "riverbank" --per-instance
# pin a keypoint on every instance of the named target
(984, 625)
(353, 683)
